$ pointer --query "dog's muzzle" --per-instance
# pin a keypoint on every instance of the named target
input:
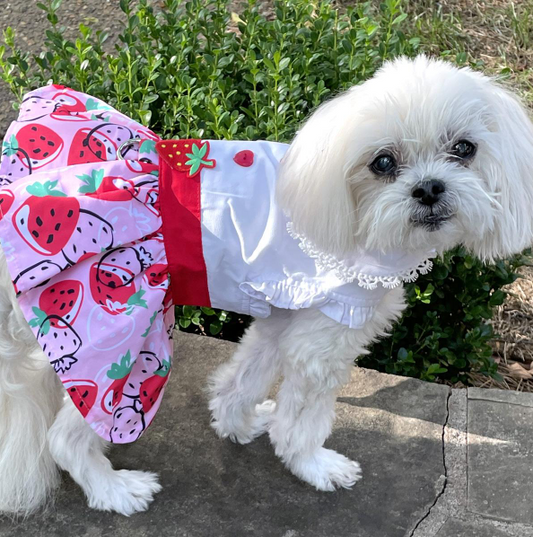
(430, 210)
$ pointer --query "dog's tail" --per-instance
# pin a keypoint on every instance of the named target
(30, 398)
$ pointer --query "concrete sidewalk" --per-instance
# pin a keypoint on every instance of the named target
(436, 462)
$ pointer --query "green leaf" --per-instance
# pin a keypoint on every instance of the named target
(194, 164)
(402, 353)
(200, 152)
(165, 369)
(152, 319)
(399, 19)
(184, 323)
(123, 368)
(45, 189)
(40, 321)
(147, 146)
(12, 147)
(215, 328)
(92, 104)
(39, 318)
(137, 300)
(497, 298)
(92, 182)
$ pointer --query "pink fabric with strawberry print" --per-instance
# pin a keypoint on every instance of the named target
(81, 233)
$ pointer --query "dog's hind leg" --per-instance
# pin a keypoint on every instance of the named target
(30, 397)
(238, 388)
(81, 452)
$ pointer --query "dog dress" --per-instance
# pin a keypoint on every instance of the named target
(104, 226)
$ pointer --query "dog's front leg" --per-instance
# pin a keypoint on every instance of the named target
(317, 360)
(317, 355)
(80, 451)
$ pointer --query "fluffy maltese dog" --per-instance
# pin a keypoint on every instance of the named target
(424, 156)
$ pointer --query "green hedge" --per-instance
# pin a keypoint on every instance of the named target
(193, 69)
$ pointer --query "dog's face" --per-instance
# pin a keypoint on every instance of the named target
(424, 155)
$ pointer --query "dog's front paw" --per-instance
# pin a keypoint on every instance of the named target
(326, 470)
(125, 491)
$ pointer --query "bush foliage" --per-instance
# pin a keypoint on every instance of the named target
(194, 69)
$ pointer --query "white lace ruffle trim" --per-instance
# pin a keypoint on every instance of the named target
(349, 274)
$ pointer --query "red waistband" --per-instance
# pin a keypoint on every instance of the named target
(180, 165)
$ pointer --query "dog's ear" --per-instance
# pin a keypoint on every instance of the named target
(508, 170)
(313, 186)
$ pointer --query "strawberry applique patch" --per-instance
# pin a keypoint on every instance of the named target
(187, 156)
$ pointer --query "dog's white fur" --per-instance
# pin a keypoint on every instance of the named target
(417, 110)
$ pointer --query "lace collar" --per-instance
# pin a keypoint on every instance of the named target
(371, 269)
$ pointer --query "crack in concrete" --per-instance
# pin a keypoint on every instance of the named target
(445, 480)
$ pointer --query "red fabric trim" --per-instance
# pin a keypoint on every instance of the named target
(182, 230)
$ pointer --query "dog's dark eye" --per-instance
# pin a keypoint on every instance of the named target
(383, 165)
(463, 149)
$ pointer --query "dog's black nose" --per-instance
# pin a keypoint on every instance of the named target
(428, 192)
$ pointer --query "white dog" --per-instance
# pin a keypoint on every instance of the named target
(423, 155)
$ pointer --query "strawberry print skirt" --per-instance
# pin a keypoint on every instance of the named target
(81, 233)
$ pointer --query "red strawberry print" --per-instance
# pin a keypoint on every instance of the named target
(119, 373)
(83, 394)
(63, 299)
(106, 188)
(188, 156)
(151, 201)
(147, 363)
(157, 276)
(68, 103)
(34, 145)
(70, 108)
(111, 287)
(147, 133)
(142, 166)
(151, 388)
(64, 115)
(47, 219)
(244, 158)
(99, 144)
(112, 281)
(6, 200)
